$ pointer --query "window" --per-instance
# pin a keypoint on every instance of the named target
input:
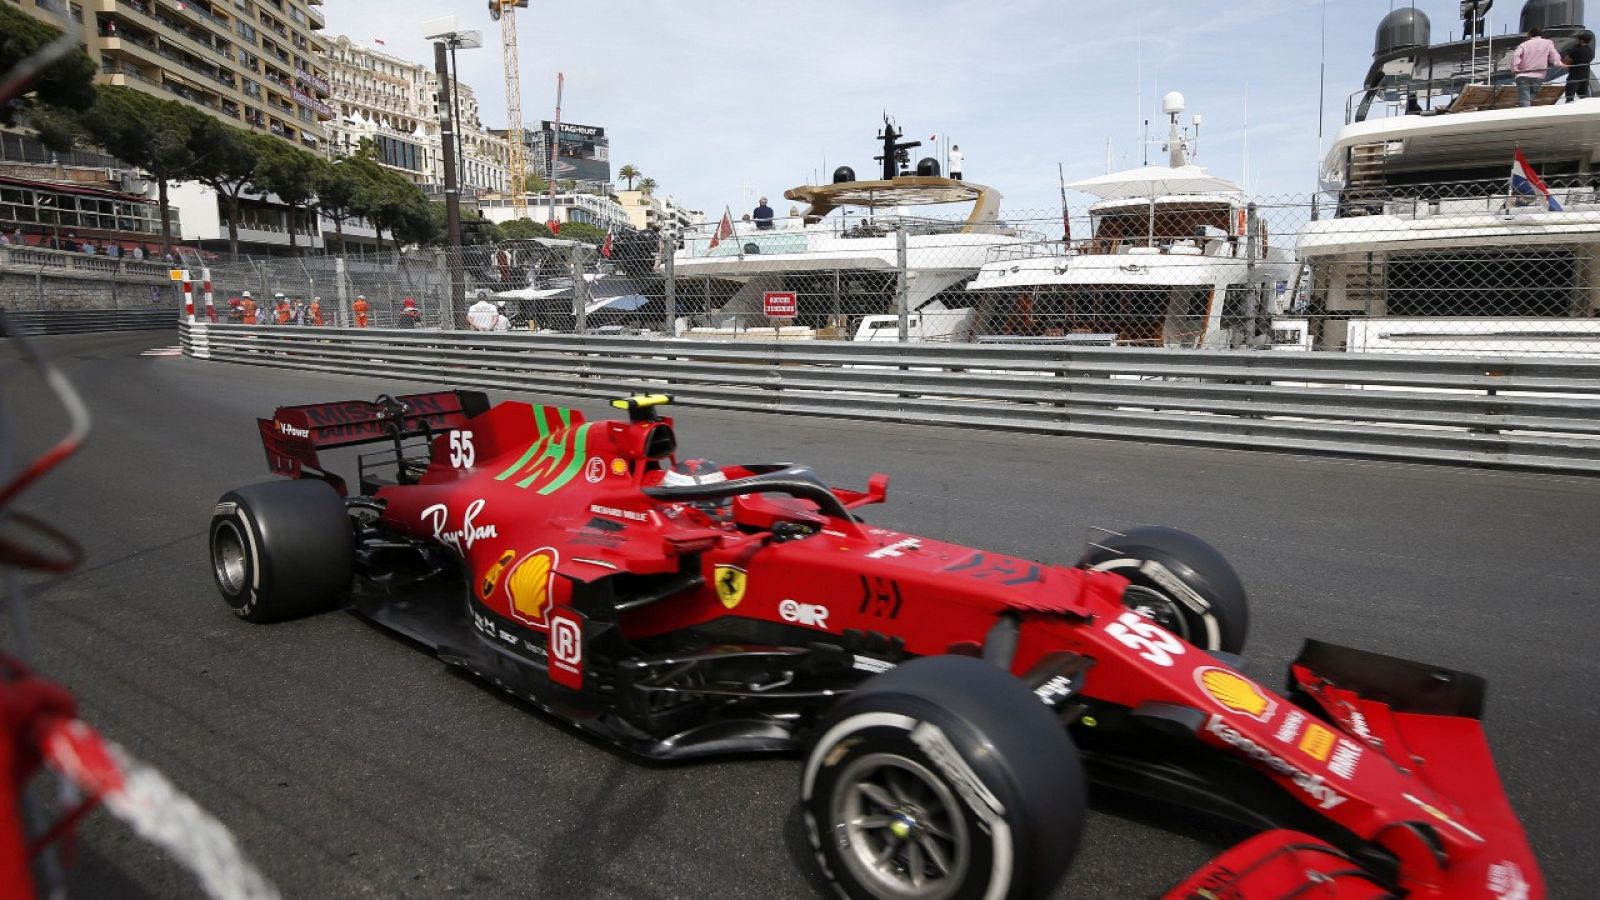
(248, 32)
(251, 89)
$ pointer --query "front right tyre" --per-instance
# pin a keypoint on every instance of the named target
(943, 779)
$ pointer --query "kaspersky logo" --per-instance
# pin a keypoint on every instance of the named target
(1317, 789)
(1235, 693)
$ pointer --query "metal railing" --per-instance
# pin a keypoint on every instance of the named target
(1535, 414)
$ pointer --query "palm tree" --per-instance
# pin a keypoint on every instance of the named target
(629, 172)
(647, 185)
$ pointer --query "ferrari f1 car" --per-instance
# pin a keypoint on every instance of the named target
(952, 704)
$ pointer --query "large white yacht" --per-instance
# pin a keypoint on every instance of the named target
(840, 257)
(1175, 258)
(1429, 248)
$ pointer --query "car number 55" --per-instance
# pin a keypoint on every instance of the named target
(462, 454)
(1153, 642)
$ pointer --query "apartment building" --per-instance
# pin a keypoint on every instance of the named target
(647, 209)
(394, 103)
(251, 63)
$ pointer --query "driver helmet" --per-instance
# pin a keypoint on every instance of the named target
(697, 471)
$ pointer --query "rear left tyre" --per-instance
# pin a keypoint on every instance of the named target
(943, 779)
(281, 549)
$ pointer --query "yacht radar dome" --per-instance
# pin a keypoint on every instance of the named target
(928, 167)
(1403, 28)
(1172, 103)
(844, 175)
(1552, 14)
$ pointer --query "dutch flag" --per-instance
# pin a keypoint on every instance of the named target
(1525, 183)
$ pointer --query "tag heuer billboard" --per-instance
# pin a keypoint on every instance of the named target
(585, 152)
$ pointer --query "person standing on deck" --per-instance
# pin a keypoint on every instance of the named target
(955, 161)
(1530, 62)
(1577, 60)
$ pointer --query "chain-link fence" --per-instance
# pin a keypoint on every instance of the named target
(1462, 267)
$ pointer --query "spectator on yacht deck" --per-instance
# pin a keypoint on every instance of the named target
(763, 215)
(1577, 60)
(955, 161)
(1533, 57)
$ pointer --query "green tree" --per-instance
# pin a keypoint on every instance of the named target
(522, 229)
(148, 133)
(629, 172)
(68, 82)
(534, 183)
(227, 160)
(647, 185)
(390, 203)
(367, 148)
(583, 231)
(337, 185)
(293, 174)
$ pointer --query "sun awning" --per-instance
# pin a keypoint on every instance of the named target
(1154, 181)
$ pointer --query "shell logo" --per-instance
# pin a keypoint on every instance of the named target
(1235, 693)
(618, 467)
(529, 585)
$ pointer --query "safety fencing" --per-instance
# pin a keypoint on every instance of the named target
(1524, 413)
(1459, 268)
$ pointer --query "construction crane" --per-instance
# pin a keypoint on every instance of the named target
(505, 12)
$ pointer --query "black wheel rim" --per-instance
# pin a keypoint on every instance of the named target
(1157, 607)
(902, 830)
(228, 558)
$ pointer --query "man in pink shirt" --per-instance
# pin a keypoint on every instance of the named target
(1529, 62)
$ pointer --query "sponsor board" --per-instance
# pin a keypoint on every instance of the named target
(1317, 742)
(530, 583)
(898, 548)
(730, 583)
(812, 615)
(566, 648)
(629, 515)
(1313, 785)
(1235, 693)
(460, 539)
(491, 578)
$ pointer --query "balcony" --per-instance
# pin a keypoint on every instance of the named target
(318, 21)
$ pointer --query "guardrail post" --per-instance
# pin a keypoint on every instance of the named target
(670, 301)
(188, 297)
(205, 291)
(339, 318)
(902, 292)
(580, 300)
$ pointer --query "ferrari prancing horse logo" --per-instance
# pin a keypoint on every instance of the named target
(730, 582)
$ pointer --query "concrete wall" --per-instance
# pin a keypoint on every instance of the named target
(33, 279)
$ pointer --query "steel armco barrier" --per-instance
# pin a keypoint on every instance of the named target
(81, 321)
(1524, 413)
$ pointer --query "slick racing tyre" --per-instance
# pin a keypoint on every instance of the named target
(1180, 582)
(281, 549)
(943, 779)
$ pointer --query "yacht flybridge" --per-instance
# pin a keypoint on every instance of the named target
(1175, 258)
(1429, 247)
(840, 255)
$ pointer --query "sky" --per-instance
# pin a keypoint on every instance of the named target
(721, 101)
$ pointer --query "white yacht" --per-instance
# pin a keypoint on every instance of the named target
(840, 257)
(1176, 257)
(1429, 248)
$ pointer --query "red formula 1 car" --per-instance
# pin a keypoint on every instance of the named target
(951, 701)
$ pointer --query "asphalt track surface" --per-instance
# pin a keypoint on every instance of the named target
(350, 764)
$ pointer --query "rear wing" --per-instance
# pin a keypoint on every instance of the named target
(294, 434)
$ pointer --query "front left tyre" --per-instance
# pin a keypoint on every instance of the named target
(943, 779)
(281, 549)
